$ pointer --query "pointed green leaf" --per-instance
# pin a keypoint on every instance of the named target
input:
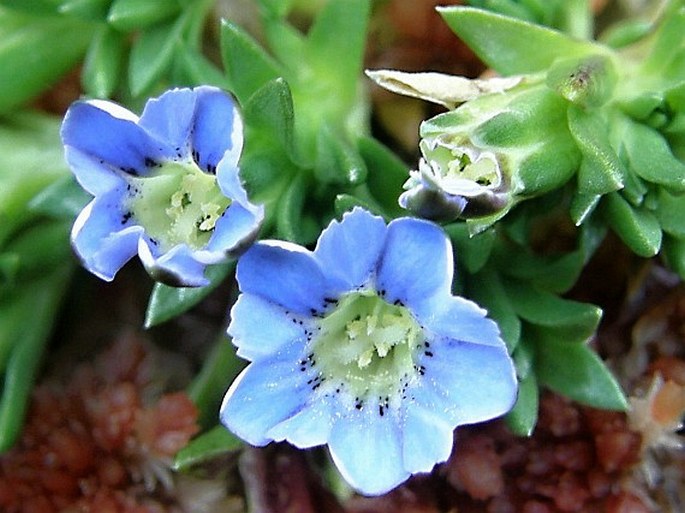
(554, 273)
(674, 253)
(63, 199)
(512, 46)
(651, 158)
(472, 251)
(152, 54)
(337, 162)
(248, 66)
(168, 302)
(386, 173)
(212, 444)
(671, 213)
(346, 202)
(291, 224)
(276, 8)
(286, 43)
(582, 206)
(637, 227)
(549, 165)
(95, 10)
(128, 15)
(575, 371)
(523, 417)
(104, 62)
(572, 321)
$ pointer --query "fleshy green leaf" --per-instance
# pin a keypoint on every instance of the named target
(575, 371)
(63, 199)
(248, 66)
(582, 206)
(512, 46)
(638, 228)
(523, 417)
(207, 446)
(385, 174)
(601, 171)
(196, 69)
(128, 15)
(291, 225)
(104, 62)
(152, 54)
(674, 253)
(95, 10)
(671, 213)
(472, 251)
(168, 302)
(337, 162)
(346, 202)
(277, 8)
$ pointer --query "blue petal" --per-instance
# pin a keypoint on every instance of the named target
(110, 133)
(218, 129)
(170, 118)
(459, 319)
(177, 267)
(427, 439)
(235, 230)
(416, 262)
(283, 273)
(367, 449)
(467, 383)
(348, 251)
(102, 242)
(309, 427)
(260, 328)
(264, 395)
(94, 177)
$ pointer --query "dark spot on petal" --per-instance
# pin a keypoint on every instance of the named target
(428, 353)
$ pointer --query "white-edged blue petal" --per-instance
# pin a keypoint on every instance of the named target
(217, 130)
(284, 273)
(101, 240)
(309, 427)
(260, 328)
(170, 118)
(457, 318)
(235, 230)
(416, 262)
(110, 134)
(348, 250)
(177, 267)
(426, 439)
(367, 449)
(264, 395)
(467, 383)
(90, 173)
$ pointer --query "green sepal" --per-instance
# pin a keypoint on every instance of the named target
(207, 389)
(601, 171)
(472, 251)
(152, 54)
(512, 46)
(486, 289)
(386, 173)
(337, 161)
(523, 417)
(216, 442)
(574, 370)
(569, 321)
(637, 227)
(104, 62)
(128, 15)
(550, 165)
(35, 51)
(269, 111)
(671, 213)
(248, 67)
(651, 158)
(92, 10)
(674, 254)
(588, 82)
(291, 224)
(167, 302)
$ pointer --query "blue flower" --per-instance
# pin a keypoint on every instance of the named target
(166, 185)
(361, 346)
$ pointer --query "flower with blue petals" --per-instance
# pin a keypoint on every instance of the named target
(165, 185)
(360, 345)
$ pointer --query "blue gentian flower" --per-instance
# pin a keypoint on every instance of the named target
(360, 345)
(166, 185)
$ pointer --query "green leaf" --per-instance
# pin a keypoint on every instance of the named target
(674, 254)
(212, 444)
(38, 247)
(522, 418)
(337, 162)
(588, 82)
(291, 224)
(196, 69)
(104, 62)
(486, 289)
(571, 321)
(152, 54)
(248, 66)
(671, 213)
(221, 366)
(512, 46)
(651, 158)
(128, 15)
(554, 273)
(93, 10)
(472, 251)
(270, 111)
(601, 171)
(575, 371)
(385, 174)
(625, 33)
(549, 165)
(167, 302)
(276, 8)
(638, 228)
(346, 202)
(38, 51)
(63, 199)
(582, 206)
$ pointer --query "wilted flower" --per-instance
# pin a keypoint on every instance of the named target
(361, 346)
(166, 185)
